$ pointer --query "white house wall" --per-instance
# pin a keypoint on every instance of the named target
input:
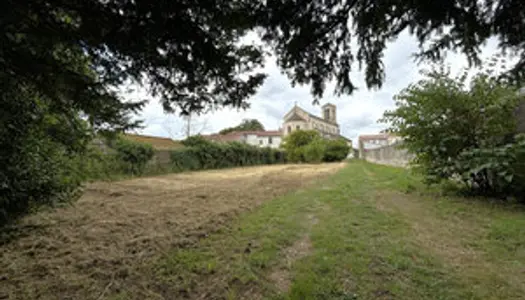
(263, 141)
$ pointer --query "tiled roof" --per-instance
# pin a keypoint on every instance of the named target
(295, 117)
(322, 120)
(270, 133)
(155, 141)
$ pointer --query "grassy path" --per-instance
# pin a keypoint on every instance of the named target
(369, 232)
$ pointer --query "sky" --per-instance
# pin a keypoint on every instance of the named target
(357, 114)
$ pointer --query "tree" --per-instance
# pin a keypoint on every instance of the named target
(317, 41)
(336, 150)
(246, 125)
(192, 54)
(456, 129)
(295, 142)
(314, 152)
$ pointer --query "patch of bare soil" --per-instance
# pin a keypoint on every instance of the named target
(104, 242)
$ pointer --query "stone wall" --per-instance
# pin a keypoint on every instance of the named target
(392, 155)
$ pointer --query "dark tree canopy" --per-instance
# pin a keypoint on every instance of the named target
(246, 125)
(320, 40)
(190, 51)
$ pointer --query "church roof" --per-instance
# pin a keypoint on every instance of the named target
(295, 117)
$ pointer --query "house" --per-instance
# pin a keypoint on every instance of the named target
(299, 119)
(269, 138)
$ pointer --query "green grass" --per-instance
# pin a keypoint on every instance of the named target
(375, 232)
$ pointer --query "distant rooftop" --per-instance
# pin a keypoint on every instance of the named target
(160, 143)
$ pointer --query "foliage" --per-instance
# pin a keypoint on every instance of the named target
(308, 146)
(37, 147)
(246, 125)
(495, 170)
(336, 150)
(193, 62)
(314, 151)
(295, 142)
(194, 141)
(455, 129)
(210, 155)
(133, 156)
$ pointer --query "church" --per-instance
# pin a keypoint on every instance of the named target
(299, 119)
(296, 119)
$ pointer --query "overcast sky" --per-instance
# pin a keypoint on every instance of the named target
(356, 114)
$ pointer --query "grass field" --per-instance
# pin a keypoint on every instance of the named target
(367, 232)
(110, 240)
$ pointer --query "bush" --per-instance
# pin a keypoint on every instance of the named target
(314, 151)
(336, 150)
(195, 140)
(495, 171)
(462, 131)
(295, 142)
(133, 156)
(308, 146)
(209, 155)
(36, 154)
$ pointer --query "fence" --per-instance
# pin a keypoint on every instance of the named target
(392, 155)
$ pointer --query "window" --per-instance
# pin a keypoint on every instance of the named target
(327, 114)
(298, 127)
(289, 129)
(270, 140)
(260, 142)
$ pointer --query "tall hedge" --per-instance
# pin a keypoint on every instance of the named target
(200, 154)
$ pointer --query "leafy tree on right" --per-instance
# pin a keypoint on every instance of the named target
(463, 130)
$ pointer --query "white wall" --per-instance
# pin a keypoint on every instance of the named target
(263, 141)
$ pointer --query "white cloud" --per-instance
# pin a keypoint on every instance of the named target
(357, 114)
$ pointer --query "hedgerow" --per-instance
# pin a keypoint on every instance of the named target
(200, 154)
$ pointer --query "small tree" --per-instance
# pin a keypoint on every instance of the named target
(450, 126)
(295, 142)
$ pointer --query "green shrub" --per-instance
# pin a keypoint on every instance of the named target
(37, 149)
(462, 131)
(295, 142)
(209, 155)
(133, 156)
(336, 150)
(185, 159)
(497, 171)
(314, 151)
(195, 140)
(308, 146)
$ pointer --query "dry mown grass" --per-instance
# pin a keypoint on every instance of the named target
(107, 240)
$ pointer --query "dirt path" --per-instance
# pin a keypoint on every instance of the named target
(102, 242)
